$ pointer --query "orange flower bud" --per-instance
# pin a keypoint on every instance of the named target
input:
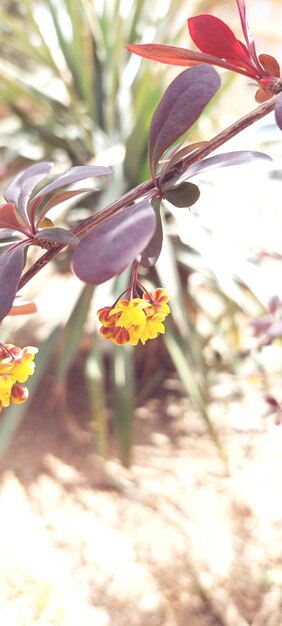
(19, 393)
(120, 336)
(105, 318)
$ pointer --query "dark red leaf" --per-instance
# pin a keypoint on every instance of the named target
(114, 244)
(180, 107)
(11, 266)
(172, 55)
(8, 217)
(246, 31)
(212, 36)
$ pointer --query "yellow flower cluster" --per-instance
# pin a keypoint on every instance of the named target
(129, 321)
(16, 365)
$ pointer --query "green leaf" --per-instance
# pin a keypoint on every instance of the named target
(72, 333)
(96, 377)
(123, 397)
(188, 377)
(123, 386)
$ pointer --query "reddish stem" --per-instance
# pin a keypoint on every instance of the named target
(148, 186)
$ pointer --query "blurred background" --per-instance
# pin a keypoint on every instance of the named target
(142, 485)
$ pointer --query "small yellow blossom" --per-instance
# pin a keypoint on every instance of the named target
(130, 312)
(16, 365)
(138, 319)
(158, 300)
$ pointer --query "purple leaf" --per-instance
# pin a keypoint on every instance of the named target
(80, 172)
(62, 196)
(11, 266)
(180, 107)
(57, 235)
(278, 110)
(6, 244)
(152, 252)
(19, 189)
(223, 160)
(11, 232)
(114, 244)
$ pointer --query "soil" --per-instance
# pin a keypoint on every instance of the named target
(176, 540)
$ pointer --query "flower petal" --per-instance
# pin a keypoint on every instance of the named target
(19, 394)
(22, 308)
(120, 336)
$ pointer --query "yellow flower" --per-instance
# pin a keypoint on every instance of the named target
(16, 365)
(138, 319)
(154, 327)
(130, 312)
(158, 300)
(23, 365)
(6, 385)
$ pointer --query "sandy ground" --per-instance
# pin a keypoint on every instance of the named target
(175, 541)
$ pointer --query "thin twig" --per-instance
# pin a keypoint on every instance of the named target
(148, 186)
